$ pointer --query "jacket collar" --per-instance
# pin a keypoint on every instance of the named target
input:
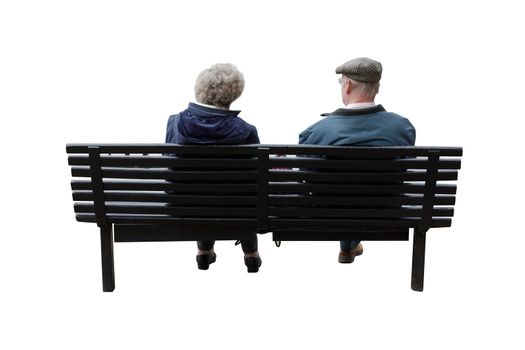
(359, 111)
(203, 111)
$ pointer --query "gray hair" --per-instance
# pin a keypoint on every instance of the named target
(219, 85)
(369, 90)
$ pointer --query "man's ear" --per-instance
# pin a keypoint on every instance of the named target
(348, 87)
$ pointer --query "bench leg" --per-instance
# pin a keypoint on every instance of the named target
(418, 259)
(108, 267)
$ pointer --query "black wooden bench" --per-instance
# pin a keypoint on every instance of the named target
(164, 192)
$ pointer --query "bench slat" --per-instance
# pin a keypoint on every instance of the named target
(165, 219)
(162, 197)
(160, 148)
(251, 188)
(167, 174)
(365, 152)
(356, 213)
(302, 200)
(274, 200)
(275, 162)
(274, 223)
(338, 177)
(167, 162)
(319, 224)
(273, 211)
(396, 151)
(356, 188)
(361, 165)
(168, 210)
(400, 234)
(158, 185)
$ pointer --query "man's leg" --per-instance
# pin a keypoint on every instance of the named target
(347, 246)
(349, 250)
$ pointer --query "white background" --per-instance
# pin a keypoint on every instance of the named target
(108, 71)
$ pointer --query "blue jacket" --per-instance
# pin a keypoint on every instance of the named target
(200, 125)
(360, 127)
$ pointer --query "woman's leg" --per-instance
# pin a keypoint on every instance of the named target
(205, 246)
(249, 246)
(205, 255)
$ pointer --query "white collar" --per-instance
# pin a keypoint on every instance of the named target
(360, 105)
(210, 106)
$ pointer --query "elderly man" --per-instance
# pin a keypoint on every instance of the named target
(361, 122)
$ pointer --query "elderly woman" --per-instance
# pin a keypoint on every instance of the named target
(211, 122)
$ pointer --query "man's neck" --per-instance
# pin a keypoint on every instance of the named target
(359, 99)
(358, 105)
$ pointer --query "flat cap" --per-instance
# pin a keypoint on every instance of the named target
(361, 69)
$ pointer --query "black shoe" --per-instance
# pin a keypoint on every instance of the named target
(253, 263)
(204, 260)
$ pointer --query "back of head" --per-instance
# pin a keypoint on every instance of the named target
(219, 85)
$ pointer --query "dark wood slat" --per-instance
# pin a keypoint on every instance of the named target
(397, 151)
(338, 177)
(161, 148)
(169, 210)
(337, 235)
(404, 212)
(274, 223)
(167, 162)
(304, 188)
(162, 197)
(320, 224)
(366, 152)
(165, 219)
(157, 185)
(167, 174)
(181, 232)
(274, 200)
(361, 165)
(307, 200)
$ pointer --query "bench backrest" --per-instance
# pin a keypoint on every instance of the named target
(363, 186)
(265, 186)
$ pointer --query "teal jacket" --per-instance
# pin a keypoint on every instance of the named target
(372, 126)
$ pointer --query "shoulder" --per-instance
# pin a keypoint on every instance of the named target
(396, 119)
(172, 132)
(315, 132)
(246, 132)
(173, 118)
(241, 122)
(253, 135)
(402, 127)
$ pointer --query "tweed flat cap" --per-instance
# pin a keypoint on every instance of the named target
(361, 69)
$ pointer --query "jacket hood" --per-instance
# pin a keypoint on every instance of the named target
(201, 125)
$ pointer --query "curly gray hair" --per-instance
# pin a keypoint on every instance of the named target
(219, 85)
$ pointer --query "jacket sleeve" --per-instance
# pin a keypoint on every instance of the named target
(171, 130)
(307, 137)
(411, 133)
